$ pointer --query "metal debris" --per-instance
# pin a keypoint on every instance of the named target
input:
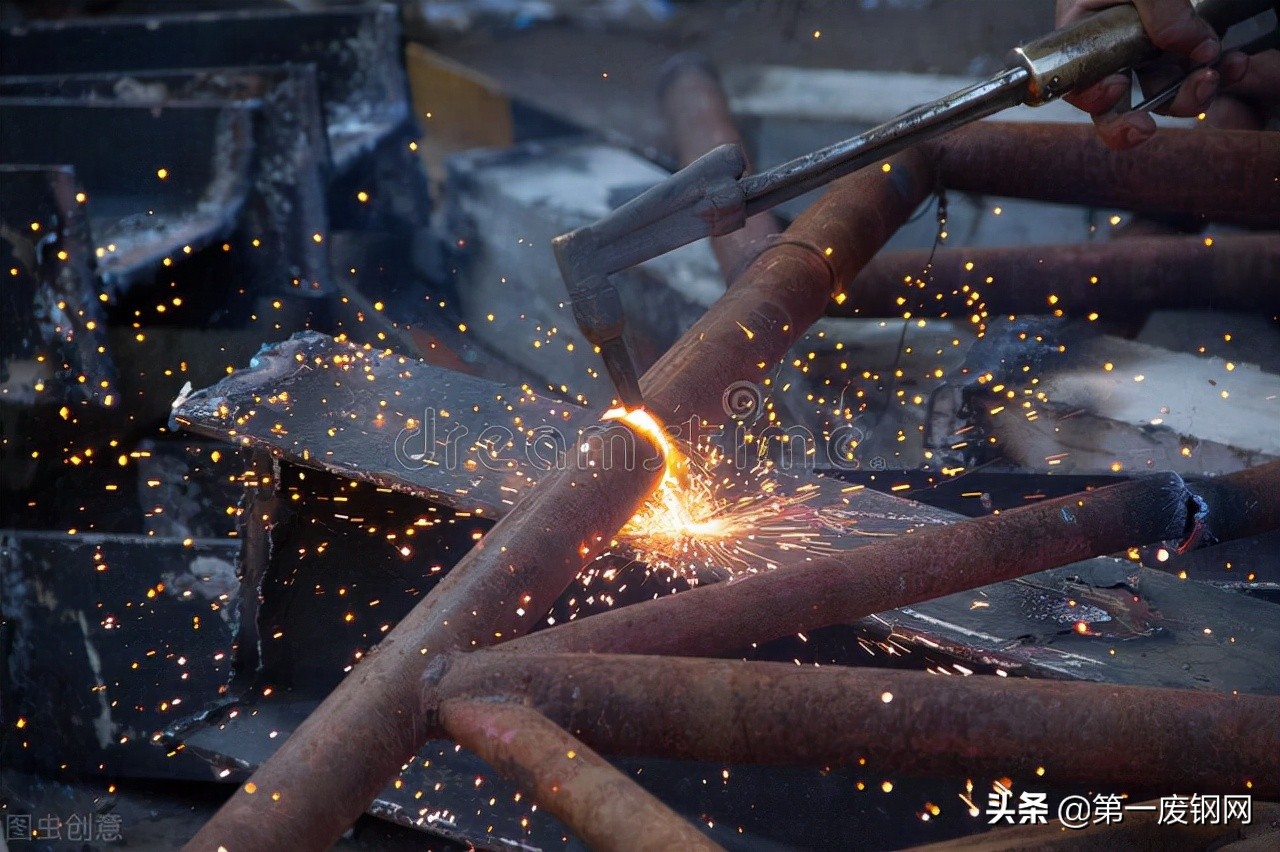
(355, 51)
(109, 638)
(157, 180)
(292, 164)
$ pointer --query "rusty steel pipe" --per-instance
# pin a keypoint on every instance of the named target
(725, 617)
(1222, 175)
(698, 119)
(1227, 272)
(733, 711)
(369, 726)
(785, 290)
(605, 808)
(1238, 505)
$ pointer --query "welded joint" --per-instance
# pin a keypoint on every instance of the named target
(432, 677)
(822, 254)
(1185, 513)
(1237, 505)
(1188, 509)
(1199, 534)
(437, 696)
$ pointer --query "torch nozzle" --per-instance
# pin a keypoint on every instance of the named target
(622, 370)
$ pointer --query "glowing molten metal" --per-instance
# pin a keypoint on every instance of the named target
(694, 519)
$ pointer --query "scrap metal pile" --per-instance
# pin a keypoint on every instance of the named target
(313, 487)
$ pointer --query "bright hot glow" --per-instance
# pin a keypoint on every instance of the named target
(706, 515)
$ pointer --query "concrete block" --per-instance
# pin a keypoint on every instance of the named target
(1118, 405)
(503, 208)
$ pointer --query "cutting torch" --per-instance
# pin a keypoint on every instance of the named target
(713, 195)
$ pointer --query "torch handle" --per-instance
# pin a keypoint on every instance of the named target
(1105, 42)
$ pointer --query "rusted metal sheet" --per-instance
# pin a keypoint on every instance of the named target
(1106, 620)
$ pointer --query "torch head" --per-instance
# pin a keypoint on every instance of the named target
(701, 200)
(597, 308)
(617, 360)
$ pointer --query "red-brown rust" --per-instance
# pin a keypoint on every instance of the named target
(899, 721)
(785, 290)
(1226, 272)
(1238, 505)
(607, 810)
(333, 765)
(338, 759)
(1223, 175)
(725, 617)
(698, 119)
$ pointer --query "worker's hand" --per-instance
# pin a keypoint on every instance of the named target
(1174, 27)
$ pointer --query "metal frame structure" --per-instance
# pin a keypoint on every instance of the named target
(537, 717)
(522, 707)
